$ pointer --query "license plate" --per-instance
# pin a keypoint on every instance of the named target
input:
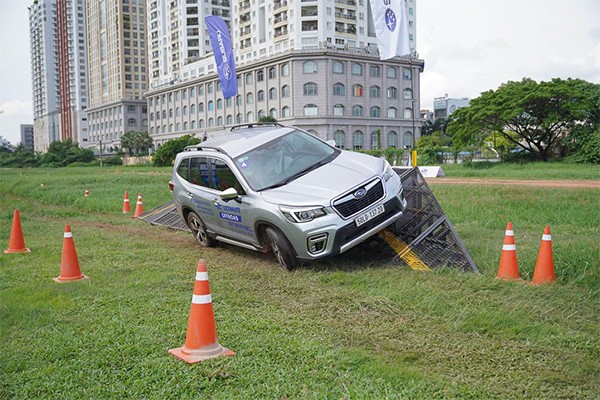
(361, 219)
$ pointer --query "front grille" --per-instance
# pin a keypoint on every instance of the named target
(348, 205)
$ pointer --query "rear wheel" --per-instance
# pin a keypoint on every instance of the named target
(199, 230)
(282, 249)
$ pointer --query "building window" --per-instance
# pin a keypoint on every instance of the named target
(408, 113)
(260, 96)
(310, 89)
(391, 112)
(177, 113)
(210, 87)
(375, 112)
(408, 139)
(261, 114)
(272, 94)
(249, 116)
(357, 111)
(201, 123)
(238, 118)
(311, 110)
(339, 89)
(211, 106)
(392, 139)
(211, 122)
(219, 121)
(375, 91)
(229, 119)
(340, 139)
(309, 67)
(219, 105)
(357, 69)
(185, 110)
(357, 90)
(285, 91)
(407, 94)
(285, 112)
(194, 124)
(338, 67)
(249, 98)
(392, 93)
(192, 109)
(131, 109)
(170, 113)
(192, 92)
(391, 72)
(273, 112)
(338, 110)
(260, 75)
(131, 121)
(272, 73)
(375, 139)
(406, 73)
(374, 71)
(285, 69)
(249, 79)
(200, 107)
(357, 140)
(185, 125)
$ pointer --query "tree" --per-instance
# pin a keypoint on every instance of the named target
(136, 143)
(64, 153)
(267, 119)
(165, 154)
(538, 113)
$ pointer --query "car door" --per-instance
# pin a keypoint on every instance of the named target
(199, 194)
(234, 218)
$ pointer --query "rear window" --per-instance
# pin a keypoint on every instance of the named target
(183, 169)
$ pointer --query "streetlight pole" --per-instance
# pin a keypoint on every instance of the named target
(100, 153)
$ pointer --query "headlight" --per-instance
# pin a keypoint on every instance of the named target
(302, 214)
(388, 172)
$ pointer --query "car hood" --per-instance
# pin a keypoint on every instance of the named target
(320, 186)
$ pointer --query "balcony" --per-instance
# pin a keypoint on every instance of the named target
(309, 13)
(345, 16)
(244, 5)
(222, 3)
(279, 4)
(282, 18)
(346, 2)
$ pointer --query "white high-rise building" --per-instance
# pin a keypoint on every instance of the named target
(59, 71)
(177, 35)
(312, 64)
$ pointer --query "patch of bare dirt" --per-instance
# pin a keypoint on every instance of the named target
(557, 183)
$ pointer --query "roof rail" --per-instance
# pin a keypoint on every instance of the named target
(254, 125)
(201, 147)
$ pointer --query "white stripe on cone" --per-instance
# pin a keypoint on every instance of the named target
(68, 234)
(547, 238)
(509, 247)
(510, 233)
(201, 299)
(201, 276)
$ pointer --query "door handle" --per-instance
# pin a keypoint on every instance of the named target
(215, 201)
(190, 194)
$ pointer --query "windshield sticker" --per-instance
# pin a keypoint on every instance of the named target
(243, 162)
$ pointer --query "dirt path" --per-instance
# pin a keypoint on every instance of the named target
(562, 183)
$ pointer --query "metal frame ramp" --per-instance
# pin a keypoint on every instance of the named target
(423, 239)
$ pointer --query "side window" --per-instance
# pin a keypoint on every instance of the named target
(223, 178)
(182, 170)
(199, 171)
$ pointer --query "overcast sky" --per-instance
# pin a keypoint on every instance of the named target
(469, 46)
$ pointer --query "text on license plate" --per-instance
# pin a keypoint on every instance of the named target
(361, 219)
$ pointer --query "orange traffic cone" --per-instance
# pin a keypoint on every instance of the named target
(87, 193)
(201, 340)
(69, 266)
(126, 207)
(544, 267)
(139, 208)
(509, 269)
(16, 243)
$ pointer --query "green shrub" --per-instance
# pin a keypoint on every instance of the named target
(165, 154)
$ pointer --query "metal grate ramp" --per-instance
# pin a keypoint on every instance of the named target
(165, 215)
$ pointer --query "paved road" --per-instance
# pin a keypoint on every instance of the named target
(562, 183)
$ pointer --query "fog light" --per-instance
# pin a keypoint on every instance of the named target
(317, 243)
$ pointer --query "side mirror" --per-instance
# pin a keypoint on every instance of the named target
(331, 142)
(230, 194)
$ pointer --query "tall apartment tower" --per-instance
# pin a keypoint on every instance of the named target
(267, 27)
(178, 36)
(59, 71)
(309, 63)
(118, 76)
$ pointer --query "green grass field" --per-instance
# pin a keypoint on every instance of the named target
(333, 330)
(538, 170)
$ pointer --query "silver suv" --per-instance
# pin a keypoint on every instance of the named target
(267, 187)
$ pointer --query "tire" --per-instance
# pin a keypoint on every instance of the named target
(282, 249)
(199, 230)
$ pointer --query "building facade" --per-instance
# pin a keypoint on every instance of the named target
(118, 75)
(59, 71)
(27, 136)
(312, 64)
(177, 35)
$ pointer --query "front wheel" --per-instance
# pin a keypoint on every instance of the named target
(199, 230)
(282, 249)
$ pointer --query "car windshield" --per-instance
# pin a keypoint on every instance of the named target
(284, 159)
